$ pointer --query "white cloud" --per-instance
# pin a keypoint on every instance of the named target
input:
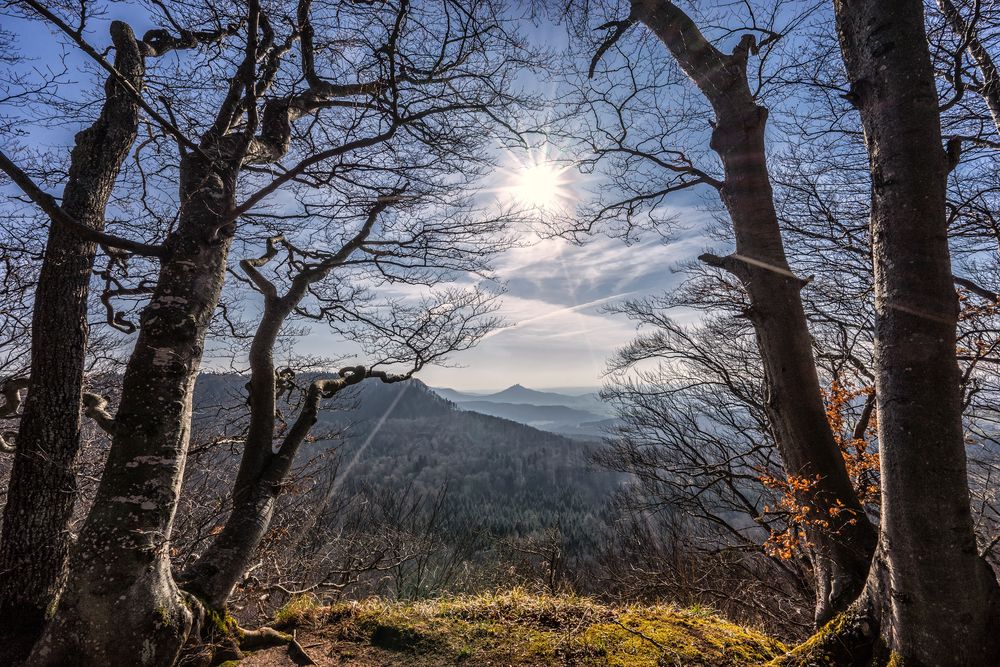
(559, 335)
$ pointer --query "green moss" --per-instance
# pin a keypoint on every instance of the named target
(895, 660)
(639, 637)
(221, 622)
(50, 610)
(517, 628)
(163, 614)
(845, 640)
(228, 663)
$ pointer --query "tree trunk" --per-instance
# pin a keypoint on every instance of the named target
(262, 470)
(42, 493)
(217, 571)
(841, 553)
(936, 600)
(121, 605)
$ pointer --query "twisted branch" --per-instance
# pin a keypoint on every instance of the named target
(95, 407)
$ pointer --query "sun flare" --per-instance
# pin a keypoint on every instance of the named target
(538, 184)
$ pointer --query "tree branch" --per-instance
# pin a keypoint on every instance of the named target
(50, 206)
(11, 392)
(620, 28)
(976, 289)
(990, 90)
(159, 42)
(95, 407)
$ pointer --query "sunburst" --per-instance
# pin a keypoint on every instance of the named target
(537, 183)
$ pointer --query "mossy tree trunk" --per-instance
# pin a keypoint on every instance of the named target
(42, 494)
(217, 571)
(120, 604)
(35, 539)
(933, 600)
(841, 552)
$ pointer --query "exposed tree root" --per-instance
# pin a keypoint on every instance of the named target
(846, 641)
(217, 637)
(298, 652)
(265, 637)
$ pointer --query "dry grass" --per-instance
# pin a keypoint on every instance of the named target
(514, 628)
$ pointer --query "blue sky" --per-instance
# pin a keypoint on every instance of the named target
(556, 292)
(558, 335)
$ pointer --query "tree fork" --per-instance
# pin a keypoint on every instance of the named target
(840, 554)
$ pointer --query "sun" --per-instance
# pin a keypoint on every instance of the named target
(540, 184)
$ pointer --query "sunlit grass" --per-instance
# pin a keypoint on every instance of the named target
(516, 627)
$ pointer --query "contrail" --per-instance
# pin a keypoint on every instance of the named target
(561, 311)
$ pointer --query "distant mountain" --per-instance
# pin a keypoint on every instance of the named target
(374, 400)
(538, 416)
(582, 416)
(456, 396)
(507, 477)
(521, 394)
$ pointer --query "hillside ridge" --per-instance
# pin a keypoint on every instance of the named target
(512, 628)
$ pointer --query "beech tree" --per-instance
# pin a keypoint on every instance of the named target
(829, 233)
(811, 234)
(341, 137)
(932, 598)
(424, 90)
(414, 250)
(809, 451)
(41, 496)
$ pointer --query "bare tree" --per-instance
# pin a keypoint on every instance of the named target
(933, 599)
(418, 100)
(794, 400)
(41, 496)
(452, 321)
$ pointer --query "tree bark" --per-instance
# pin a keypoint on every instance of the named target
(262, 471)
(36, 538)
(841, 553)
(120, 604)
(935, 600)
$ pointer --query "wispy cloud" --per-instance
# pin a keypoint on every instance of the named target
(559, 334)
(558, 313)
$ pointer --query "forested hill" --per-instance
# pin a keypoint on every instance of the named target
(502, 476)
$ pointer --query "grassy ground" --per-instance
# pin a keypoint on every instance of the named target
(512, 628)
